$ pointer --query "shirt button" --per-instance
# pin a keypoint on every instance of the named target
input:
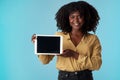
(75, 73)
(66, 75)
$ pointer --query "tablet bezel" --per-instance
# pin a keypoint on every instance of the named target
(61, 45)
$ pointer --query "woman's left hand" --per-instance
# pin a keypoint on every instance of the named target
(70, 53)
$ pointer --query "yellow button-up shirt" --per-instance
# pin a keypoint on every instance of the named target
(89, 50)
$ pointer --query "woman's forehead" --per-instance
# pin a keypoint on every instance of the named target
(81, 13)
(75, 12)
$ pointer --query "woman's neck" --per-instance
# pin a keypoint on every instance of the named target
(76, 33)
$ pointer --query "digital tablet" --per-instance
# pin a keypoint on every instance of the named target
(48, 44)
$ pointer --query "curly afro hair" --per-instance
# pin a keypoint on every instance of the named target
(90, 14)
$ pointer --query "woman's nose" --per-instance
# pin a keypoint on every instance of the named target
(76, 19)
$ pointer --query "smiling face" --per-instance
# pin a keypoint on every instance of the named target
(76, 20)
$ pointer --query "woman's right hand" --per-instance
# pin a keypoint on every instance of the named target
(33, 38)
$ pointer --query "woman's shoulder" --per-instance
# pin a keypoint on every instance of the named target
(91, 36)
(60, 33)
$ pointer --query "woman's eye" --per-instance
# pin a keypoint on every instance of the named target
(71, 17)
(79, 17)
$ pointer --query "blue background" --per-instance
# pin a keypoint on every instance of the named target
(19, 19)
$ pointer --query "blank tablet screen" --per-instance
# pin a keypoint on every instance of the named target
(48, 44)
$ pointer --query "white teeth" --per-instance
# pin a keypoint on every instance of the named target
(76, 24)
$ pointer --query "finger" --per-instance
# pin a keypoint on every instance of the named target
(33, 38)
(63, 54)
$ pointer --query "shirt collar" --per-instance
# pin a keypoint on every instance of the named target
(68, 36)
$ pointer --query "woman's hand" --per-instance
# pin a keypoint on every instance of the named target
(70, 53)
(33, 38)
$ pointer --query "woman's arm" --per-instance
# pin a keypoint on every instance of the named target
(94, 61)
(45, 59)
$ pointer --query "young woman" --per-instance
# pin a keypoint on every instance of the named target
(82, 50)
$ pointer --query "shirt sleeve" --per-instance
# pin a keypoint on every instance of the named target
(94, 61)
(45, 59)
